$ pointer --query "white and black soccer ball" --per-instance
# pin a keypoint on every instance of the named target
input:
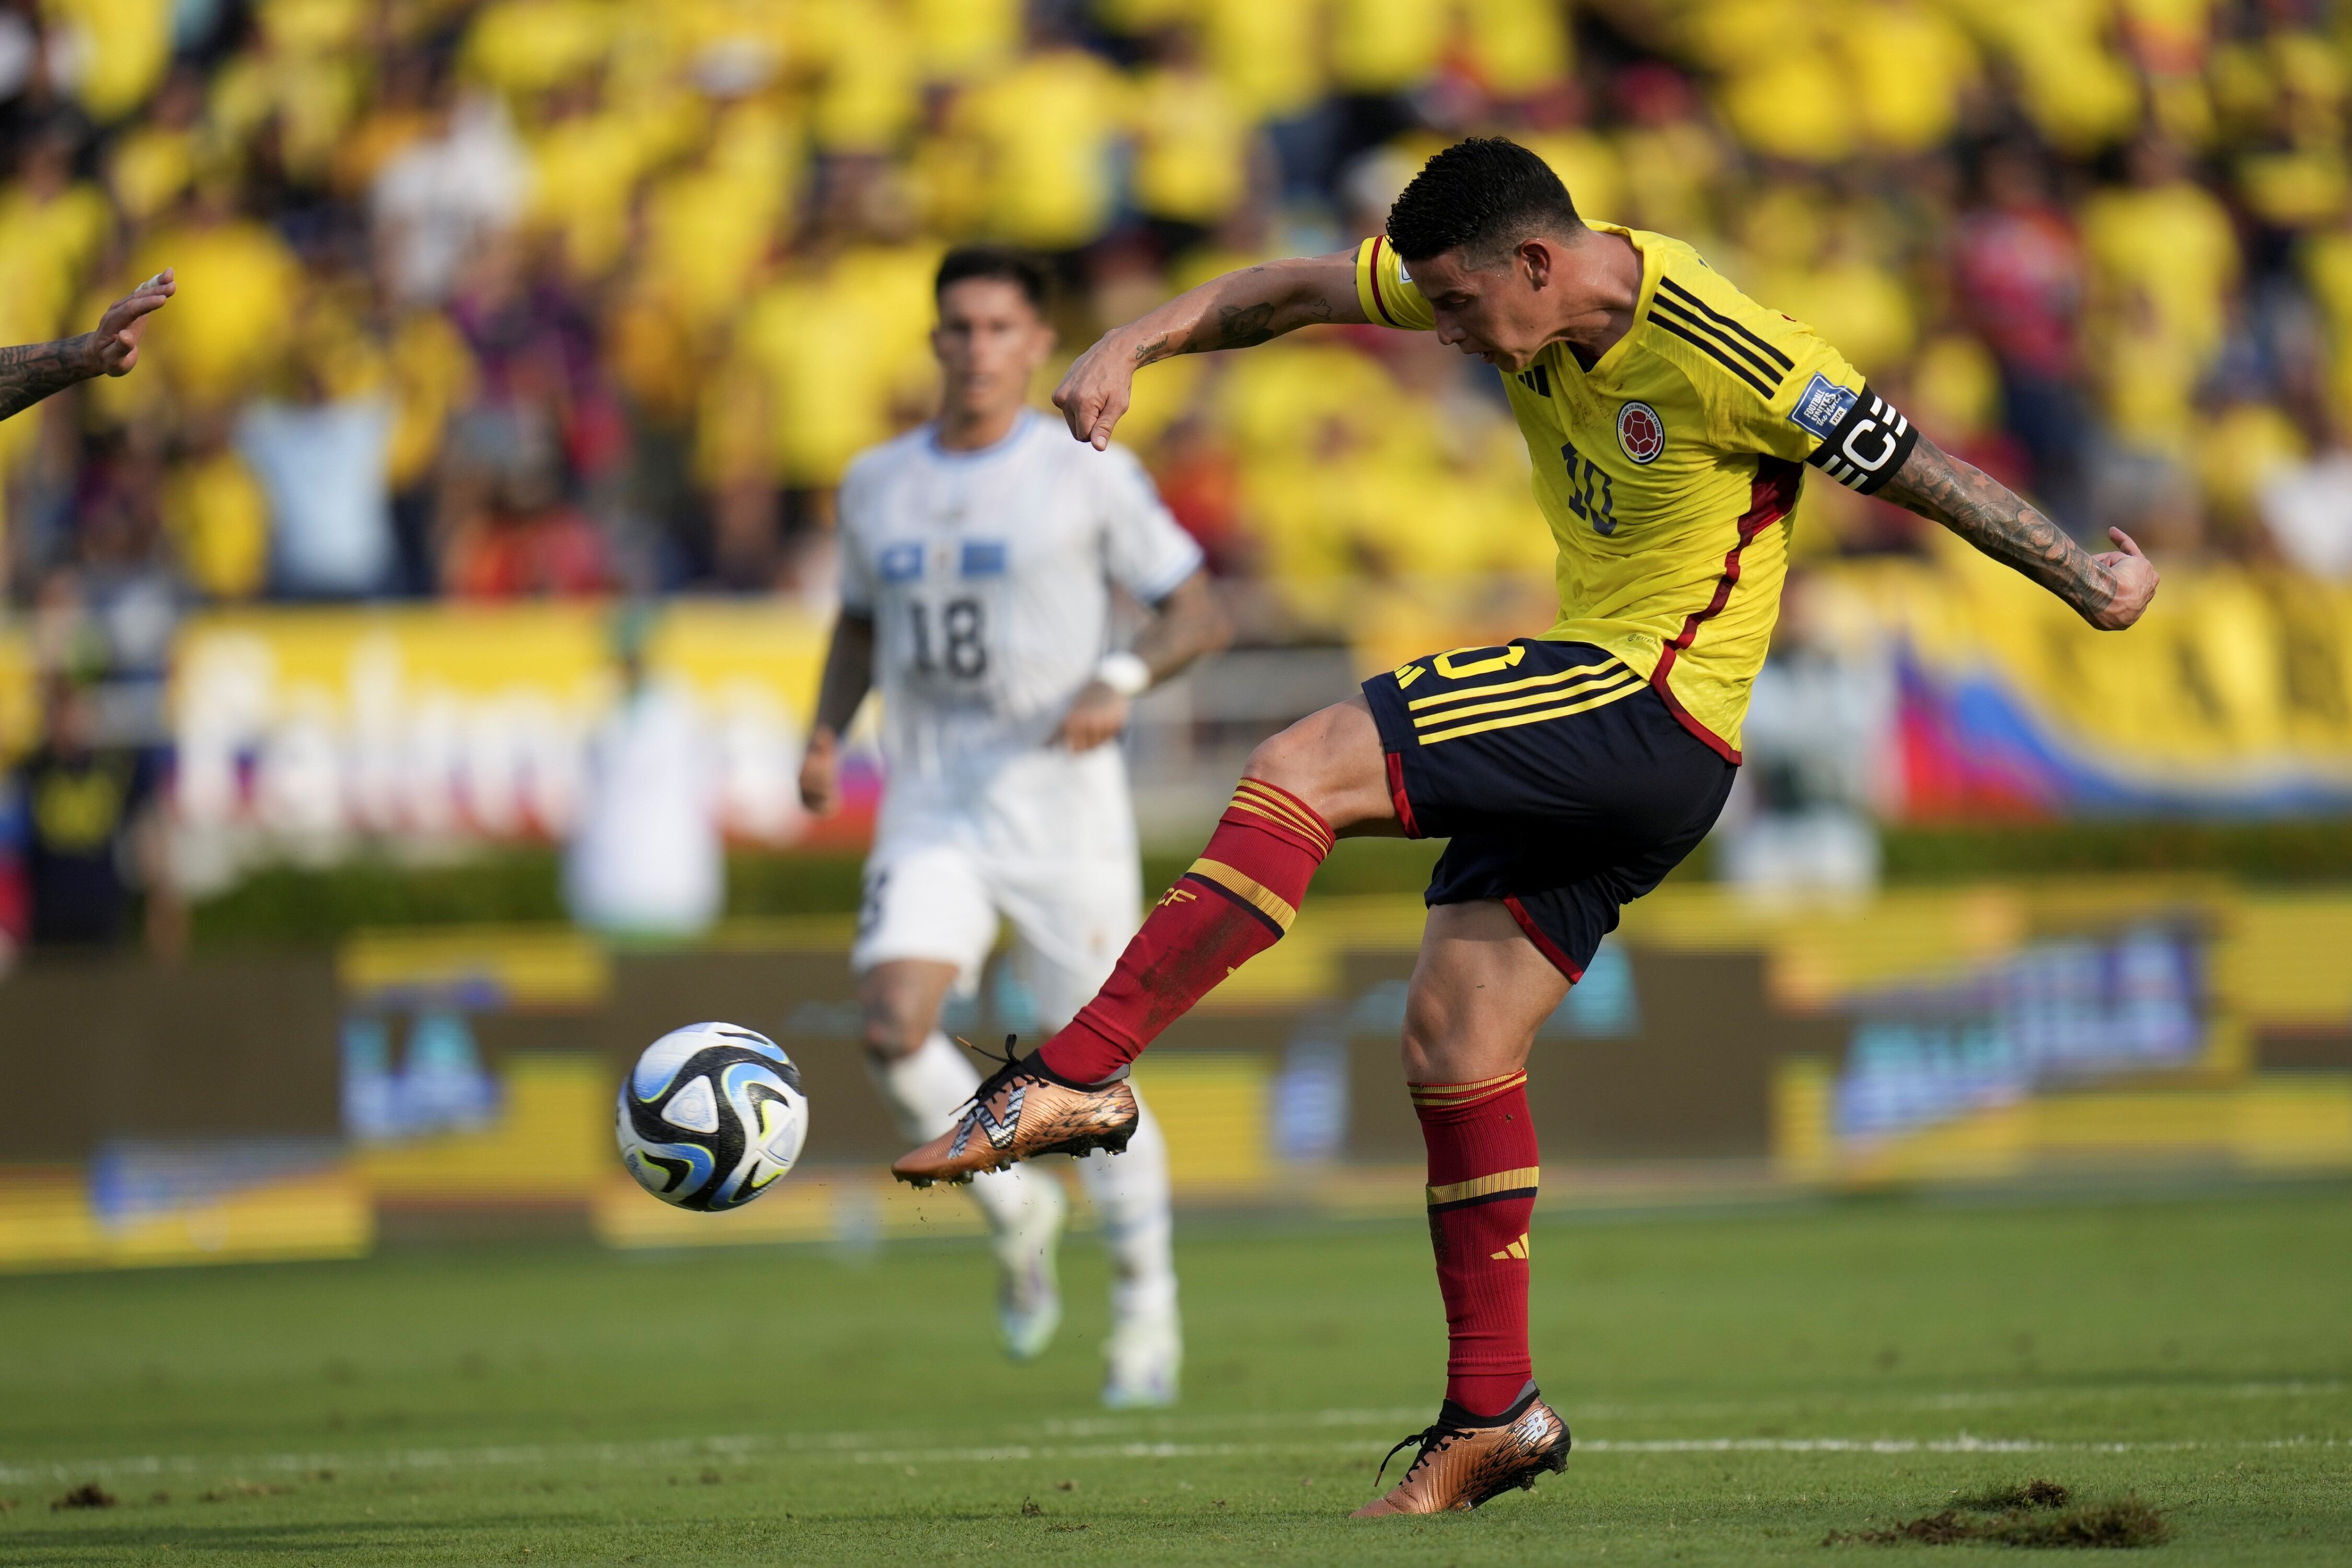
(712, 1116)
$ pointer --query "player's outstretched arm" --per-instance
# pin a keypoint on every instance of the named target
(1188, 623)
(848, 673)
(1233, 311)
(2108, 589)
(30, 371)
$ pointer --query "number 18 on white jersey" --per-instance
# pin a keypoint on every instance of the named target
(988, 576)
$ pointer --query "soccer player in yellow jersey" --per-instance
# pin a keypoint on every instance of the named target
(1671, 419)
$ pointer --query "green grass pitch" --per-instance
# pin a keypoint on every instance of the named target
(1741, 1388)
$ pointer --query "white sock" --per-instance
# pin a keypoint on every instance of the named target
(924, 1090)
(1129, 1192)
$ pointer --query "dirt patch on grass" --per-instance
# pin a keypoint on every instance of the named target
(90, 1494)
(2124, 1523)
(2033, 1494)
(2034, 1513)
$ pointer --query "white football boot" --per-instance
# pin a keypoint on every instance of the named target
(1147, 1359)
(1028, 1295)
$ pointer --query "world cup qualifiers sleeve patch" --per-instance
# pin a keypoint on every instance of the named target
(1864, 438)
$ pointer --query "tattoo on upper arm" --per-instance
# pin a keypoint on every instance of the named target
(1989, 515)
(30, 371)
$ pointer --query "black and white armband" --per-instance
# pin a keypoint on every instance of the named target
(1864, 438)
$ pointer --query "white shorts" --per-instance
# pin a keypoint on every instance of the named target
(941, 900)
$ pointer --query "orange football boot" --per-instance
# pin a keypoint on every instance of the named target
(1020, 1111)
(1463, 1463)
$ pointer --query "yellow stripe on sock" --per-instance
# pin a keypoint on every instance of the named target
(1248, 889)
(1523, 684)
(1268, 802)
(1291, 823)
(1628, 690)
(1485, 1186)
(1448, 1094)
(1418, 1089)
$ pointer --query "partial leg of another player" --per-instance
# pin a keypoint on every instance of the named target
(1070, 921)
(926, 1080)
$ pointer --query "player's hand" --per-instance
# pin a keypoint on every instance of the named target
(114, 347)
(821, 775)
(2135, 579)
(1098, 714)
(1096, 391)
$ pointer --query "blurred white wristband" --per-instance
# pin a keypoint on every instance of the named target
(1125, 673)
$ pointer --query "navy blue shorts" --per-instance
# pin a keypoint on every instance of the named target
(1564, 786)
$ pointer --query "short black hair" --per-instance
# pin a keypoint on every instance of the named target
(1018, 267)
(1479, 196)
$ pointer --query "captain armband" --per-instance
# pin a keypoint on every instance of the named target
(1864, 438)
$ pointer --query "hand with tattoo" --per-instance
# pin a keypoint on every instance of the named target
(2109, 590)
(1237, 310)
(32, 371)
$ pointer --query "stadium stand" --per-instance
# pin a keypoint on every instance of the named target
(578, 296)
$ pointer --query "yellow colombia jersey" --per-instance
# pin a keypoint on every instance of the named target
(1663, 468)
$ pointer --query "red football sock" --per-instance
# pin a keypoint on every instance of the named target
(1482, 1193)
(1237, 900)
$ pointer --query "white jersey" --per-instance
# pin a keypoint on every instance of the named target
(987, 575)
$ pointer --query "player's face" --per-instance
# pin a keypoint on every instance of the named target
(990, 341)
(1499, 313)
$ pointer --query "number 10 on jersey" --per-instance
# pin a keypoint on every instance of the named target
(949, 638)
(1592, 495)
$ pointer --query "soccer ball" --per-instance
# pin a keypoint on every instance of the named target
(711, 1117)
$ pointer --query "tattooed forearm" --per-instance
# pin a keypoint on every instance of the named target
(1989, 515)
(1233, 327)
(1241, 327)
(30, 371)
(1241, 310)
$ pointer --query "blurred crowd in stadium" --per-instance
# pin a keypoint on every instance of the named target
(561, 297)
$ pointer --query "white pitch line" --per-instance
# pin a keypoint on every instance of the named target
(856, 1448)
(1135, 1430)
(1148, 1437)
(1960, 1445)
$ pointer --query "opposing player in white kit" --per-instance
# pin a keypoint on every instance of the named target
(978, 559)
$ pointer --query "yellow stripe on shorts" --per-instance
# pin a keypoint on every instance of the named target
(1526, 699)
(1509, 721)
(1523, 684)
